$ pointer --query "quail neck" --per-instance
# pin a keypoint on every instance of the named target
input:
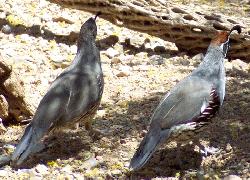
(212, 64)
(87, 34)
(87, 52)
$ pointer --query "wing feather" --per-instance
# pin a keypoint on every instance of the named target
(184, 102)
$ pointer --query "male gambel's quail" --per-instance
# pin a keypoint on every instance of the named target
(190, 104)
(73, 97)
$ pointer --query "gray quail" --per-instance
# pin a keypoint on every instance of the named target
(190, 104)
(73, 97)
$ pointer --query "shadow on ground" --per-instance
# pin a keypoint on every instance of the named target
(70, 39)
(229, 132)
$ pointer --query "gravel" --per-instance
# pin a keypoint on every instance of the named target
(138, 69)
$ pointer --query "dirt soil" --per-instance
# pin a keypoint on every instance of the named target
(39, 38)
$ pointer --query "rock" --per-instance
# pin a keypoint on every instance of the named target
(157, 59)
(25, 38)
(99, 158)
(62, 19)
(78, 176)
(126, 164)
(36, 178)
(111, 52)
(124, 71)
(90, 163)
(67, 169)
(9, 148)
(228, 148)
(4, 106)
(126, 58)
(240, 64)
(6, 29)
(141, 68)
(232, 177)
(13, 98)
(122, 141)
(107, 42)
(159, 49)
(73, 49)
(26, 172)
(41, 169)
(2, 128)
(2, 15)
(147, 45)
(116, 60)
(57, 58)
(18, 108)
(3, 173)
(101, 113)
(116, 172)
(137, 40)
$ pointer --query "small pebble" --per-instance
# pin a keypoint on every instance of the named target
(111, 52)
(6, 29)
(232, 177)
(123, 141)
(3, 173)
(124, 71)
(116, 60)
(42, 169)
(116, 172)
(25, 38)
(67, 169)
(90, 163)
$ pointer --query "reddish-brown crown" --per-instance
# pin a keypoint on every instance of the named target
(220, 38)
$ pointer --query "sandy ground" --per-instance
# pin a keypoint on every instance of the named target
(137, 75)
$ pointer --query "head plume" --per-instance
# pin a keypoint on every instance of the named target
(223, 36)
(221, 41)
(98, 14)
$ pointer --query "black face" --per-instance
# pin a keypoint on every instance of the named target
(225, 46)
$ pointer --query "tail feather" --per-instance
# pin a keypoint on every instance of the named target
(24, 143)
(29, 144)
(147, 147)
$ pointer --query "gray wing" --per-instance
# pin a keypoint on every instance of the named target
(70, 96)
(84, 94)
(184, 102)
(52, 106)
